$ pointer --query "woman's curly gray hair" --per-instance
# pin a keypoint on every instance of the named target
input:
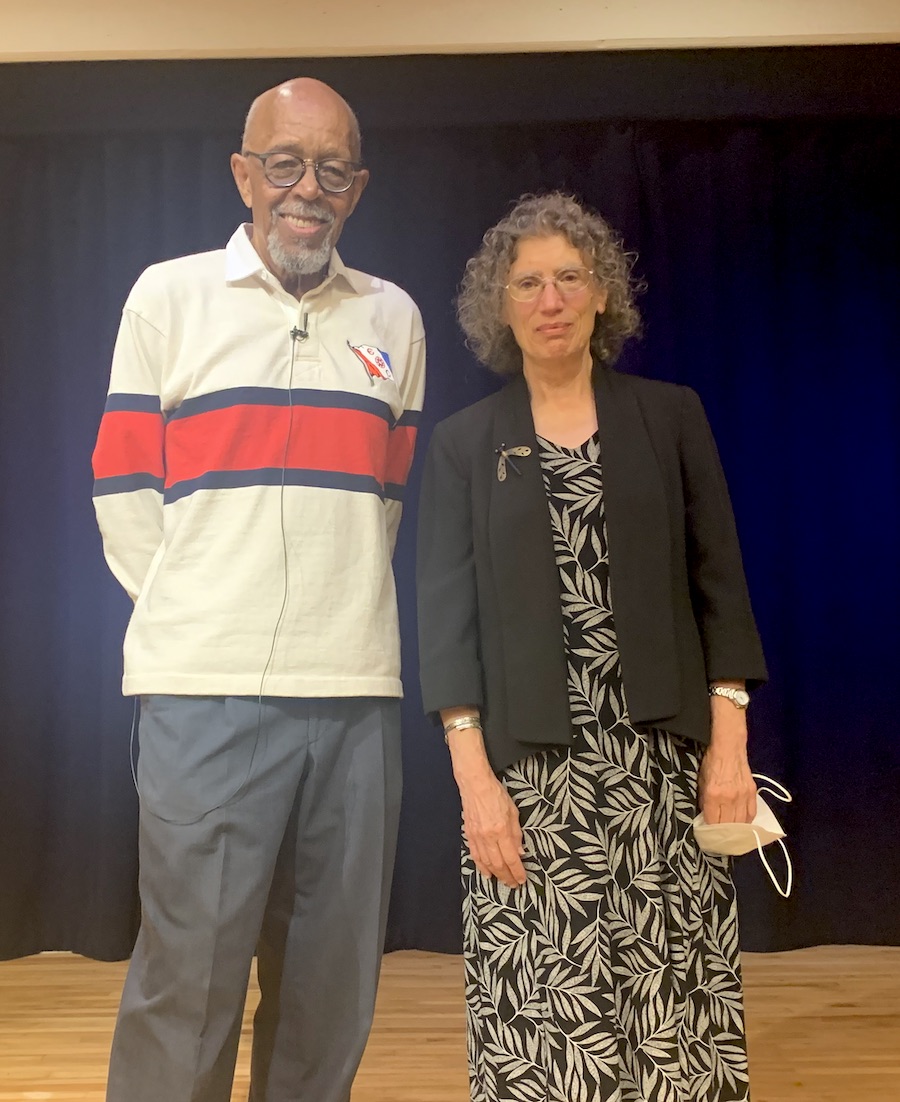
(480, 301)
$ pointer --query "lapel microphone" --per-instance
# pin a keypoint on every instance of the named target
(299, 334)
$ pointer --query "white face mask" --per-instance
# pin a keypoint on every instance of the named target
(733, 839)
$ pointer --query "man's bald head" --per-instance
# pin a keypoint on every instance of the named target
(297, 225)
(298, 96)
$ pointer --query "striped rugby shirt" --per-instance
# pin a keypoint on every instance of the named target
(248, 477)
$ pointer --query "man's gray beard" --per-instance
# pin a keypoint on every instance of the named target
(299, 260)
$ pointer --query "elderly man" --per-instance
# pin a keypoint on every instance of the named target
(249, 468)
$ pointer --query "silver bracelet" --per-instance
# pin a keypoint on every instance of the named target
(457, 724)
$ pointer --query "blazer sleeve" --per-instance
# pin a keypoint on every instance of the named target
(719, 594)
(450, 666)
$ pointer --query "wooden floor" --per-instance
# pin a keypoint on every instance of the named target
(823, 1026)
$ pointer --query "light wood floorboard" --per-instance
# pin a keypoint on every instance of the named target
(823, 1026)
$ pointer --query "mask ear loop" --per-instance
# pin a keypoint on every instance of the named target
(780, 793)
(777, 790)
(786, 891)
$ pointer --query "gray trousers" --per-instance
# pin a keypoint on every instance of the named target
(262, 828)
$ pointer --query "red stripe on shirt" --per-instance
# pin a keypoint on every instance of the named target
(401, 445)
(129, 443)
(253, 437)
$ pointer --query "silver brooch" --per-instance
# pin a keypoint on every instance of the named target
(505, 455)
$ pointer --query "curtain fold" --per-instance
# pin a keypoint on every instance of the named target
(769, 249)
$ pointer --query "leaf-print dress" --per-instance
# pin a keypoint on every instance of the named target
(613, 974)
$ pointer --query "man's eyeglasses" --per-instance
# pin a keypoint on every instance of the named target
(284, 170)
(568, 281)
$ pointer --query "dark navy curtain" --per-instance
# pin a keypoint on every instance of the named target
(759, 189)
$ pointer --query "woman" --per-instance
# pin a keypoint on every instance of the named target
(587, 638)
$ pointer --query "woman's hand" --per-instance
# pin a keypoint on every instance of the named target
(490, 818)
(727, 790)
(491, 828)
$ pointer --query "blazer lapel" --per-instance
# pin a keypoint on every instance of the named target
(524, 566)
(639, 537)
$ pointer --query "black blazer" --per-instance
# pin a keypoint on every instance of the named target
(490, 620)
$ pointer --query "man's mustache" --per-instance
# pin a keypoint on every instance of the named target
(307, 210)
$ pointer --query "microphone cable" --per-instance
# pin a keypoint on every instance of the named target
(295, 334)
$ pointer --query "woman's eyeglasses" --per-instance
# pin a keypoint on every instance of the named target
(568, 282)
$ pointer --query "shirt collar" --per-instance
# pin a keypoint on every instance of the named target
(242, 261)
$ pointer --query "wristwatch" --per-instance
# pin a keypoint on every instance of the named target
(740, 698)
